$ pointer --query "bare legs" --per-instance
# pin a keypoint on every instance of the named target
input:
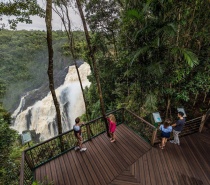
(112, 137)
(79, 145)
(79, 142)
(163, 142)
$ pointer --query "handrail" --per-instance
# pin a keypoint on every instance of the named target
(43, 152)
(192, 120)
(141, 119)
(140, 126)
(64, 133)
(191, 126)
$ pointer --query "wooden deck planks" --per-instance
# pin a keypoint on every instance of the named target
(113, 153)
(196, 162)
(190, 161)
(131, 161)
(164, 162)
(59, 171)
(53, 171)
(202, 154)
(100, 164)
(68, 166)
(151, 162)
(177, 165)
(48, 173)
(141, 171)
(139, 142)
(72, 165)
(121, 158)
(170, 166)
(98, 169)
(158, 166)
(91, 169)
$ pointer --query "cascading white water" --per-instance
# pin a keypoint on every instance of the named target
(41, 117)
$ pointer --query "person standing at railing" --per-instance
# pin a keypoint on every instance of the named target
(78, 135)
(112, 127)
(166, 130)
(178, 127)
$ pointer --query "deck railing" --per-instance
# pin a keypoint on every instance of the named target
(42, 153)
(140, 126)
(191, 126)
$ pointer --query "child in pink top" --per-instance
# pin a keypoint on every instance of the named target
(112, 127)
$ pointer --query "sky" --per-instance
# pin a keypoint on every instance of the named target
(39, 23)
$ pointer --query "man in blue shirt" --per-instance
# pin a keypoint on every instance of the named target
(178, 126)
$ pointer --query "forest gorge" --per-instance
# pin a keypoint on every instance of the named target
(150, 55)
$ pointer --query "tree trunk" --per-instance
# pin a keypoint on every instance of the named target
(48, 19)
(96, 72)
(69, 33)
(168, 108)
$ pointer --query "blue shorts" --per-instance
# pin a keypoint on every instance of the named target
(165, 134)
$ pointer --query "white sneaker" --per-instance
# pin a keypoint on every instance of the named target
(83, 149)
(172, 141)
(76, 148)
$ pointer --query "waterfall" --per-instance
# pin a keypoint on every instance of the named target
(41, 116)
(19, 109)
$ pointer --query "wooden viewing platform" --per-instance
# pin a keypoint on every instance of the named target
(131, 161)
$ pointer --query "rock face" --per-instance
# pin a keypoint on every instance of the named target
(41, 116)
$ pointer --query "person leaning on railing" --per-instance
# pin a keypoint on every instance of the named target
(178, 127)
(78, 134)
(165, 132)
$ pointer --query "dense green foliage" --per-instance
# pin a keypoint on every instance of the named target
(24, 61)
(10, 150)
(24, 65)
(153, 55)
(10, 153)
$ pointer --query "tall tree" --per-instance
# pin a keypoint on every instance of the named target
(102, 17)
(48, 20)
(63, 13)
(162, 49)
(91, 54)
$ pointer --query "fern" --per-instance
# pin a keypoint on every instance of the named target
(190, 57)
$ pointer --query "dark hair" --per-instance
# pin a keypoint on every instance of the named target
(167, 122)
(181, 113)
(77, 120)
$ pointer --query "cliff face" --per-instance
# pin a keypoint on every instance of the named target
(37, 112)
(37, 94)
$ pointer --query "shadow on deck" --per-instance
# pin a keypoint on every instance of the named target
(130, 160)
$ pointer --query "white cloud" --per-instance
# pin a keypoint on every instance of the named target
(39, 23)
